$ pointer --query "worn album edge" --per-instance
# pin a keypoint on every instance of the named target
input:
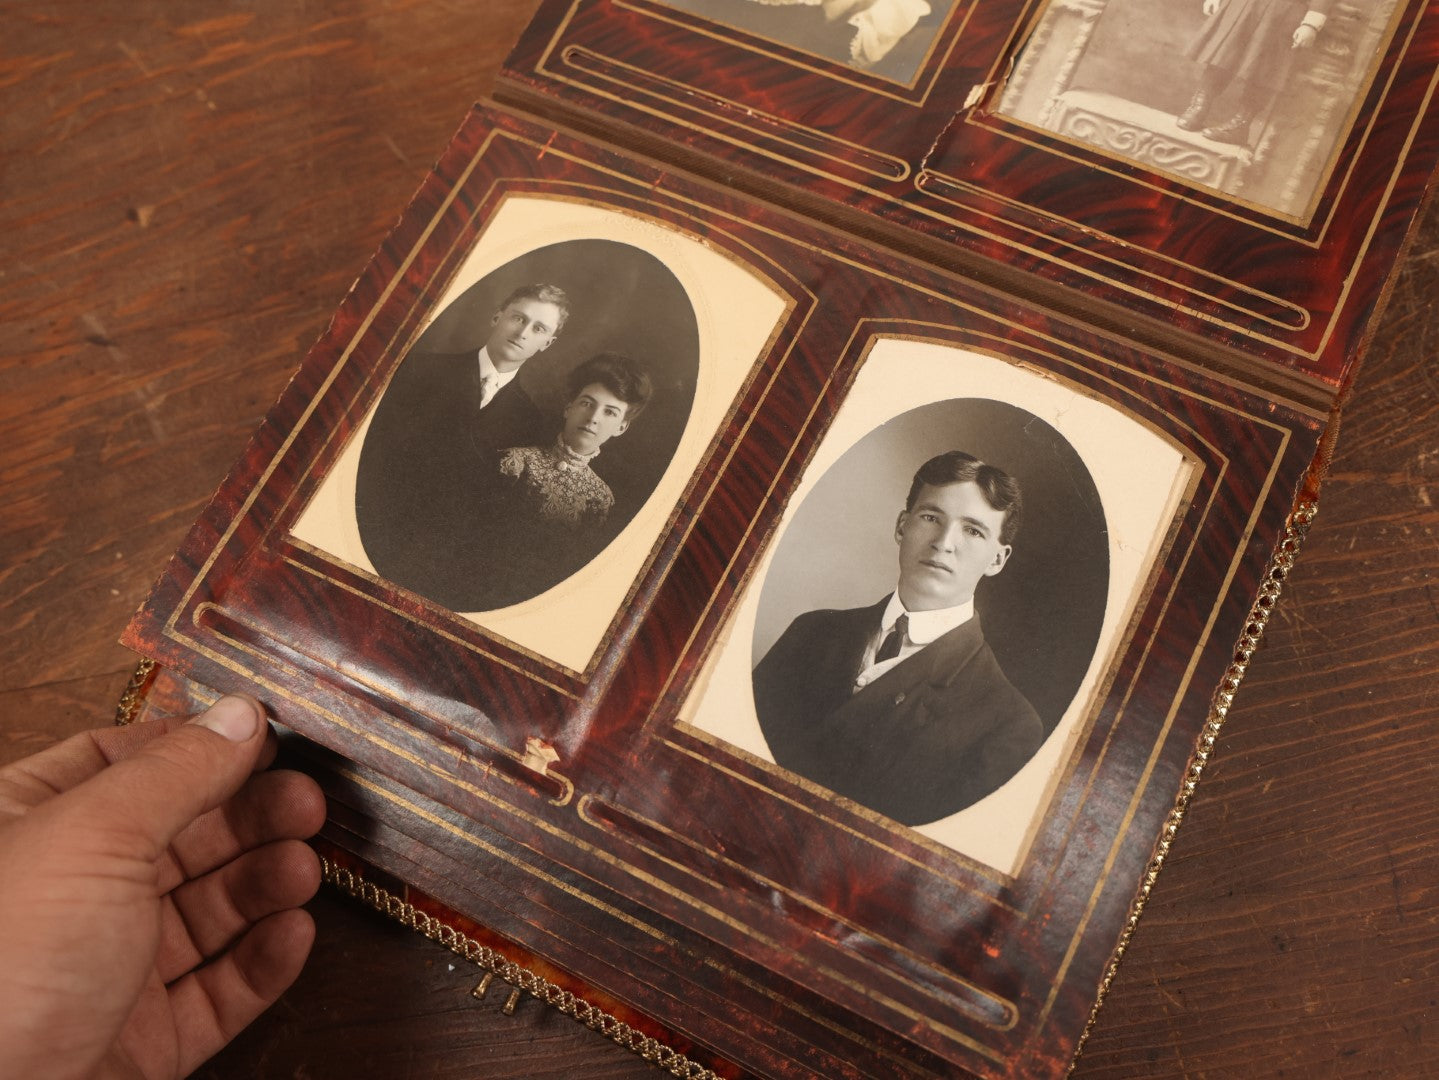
(522, 980)
(1281, 564)
(526, 982)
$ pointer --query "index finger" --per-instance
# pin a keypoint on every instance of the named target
(30, 781)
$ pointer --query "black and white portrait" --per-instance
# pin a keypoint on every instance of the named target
(519, 464)
(925, 637)
(932, 610)
(888, 38)
(1248, 97)
(527, 425)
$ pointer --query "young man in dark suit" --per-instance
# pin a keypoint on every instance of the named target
(902, 707)
(423, 493)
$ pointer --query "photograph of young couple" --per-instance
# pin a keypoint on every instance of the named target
(527, 425)
(888, 38)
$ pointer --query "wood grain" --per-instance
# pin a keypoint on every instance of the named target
(188, 191)
(1293, 932)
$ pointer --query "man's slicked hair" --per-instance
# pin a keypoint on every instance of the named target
(545, 294)
(619, 375)
(1000, 489)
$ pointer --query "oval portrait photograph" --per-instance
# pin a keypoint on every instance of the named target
(528, 424)
(932, 609)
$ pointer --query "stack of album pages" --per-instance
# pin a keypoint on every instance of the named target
(774, 529)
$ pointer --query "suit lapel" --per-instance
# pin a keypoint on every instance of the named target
(873, 740)
(945, 657)
(848, 646)
(938, 664)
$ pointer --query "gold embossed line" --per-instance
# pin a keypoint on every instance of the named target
(960, 193)
(609, 819)
(805, 140)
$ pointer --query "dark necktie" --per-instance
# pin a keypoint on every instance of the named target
(894, 640)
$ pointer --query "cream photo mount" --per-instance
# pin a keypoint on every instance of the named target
(890, 423)
(566, 624)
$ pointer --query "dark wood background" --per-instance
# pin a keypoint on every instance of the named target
(186, 191)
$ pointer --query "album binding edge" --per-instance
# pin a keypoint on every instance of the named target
(351, 876)
(1281, 564)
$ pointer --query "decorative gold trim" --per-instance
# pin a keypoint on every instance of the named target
(521, 978)
(757, 122)
(1280, 567)
(478, 648)
(133, 696)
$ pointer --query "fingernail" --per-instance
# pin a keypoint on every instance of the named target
(233, 717)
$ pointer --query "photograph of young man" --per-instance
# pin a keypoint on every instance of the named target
(901, 706)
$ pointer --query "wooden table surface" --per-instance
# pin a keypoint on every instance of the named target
(186, 191)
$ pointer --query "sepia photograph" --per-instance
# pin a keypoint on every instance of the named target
(924, 638)
(525, 453)
(1250, 98)
(528, 424)
(887, 38)
(972, 537)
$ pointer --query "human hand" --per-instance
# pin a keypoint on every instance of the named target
(1304, 36)
(150, 878)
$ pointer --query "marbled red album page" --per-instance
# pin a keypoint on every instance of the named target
(602, 655)
(1242, 203)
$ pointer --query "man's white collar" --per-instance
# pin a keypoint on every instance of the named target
(925, 626)
(488, 370)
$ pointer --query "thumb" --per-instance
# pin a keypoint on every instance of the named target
(179, 776)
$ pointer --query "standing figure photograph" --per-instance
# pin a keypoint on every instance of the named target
(1246, 49)
(1252, 99)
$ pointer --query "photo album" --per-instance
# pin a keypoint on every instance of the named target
(773, 532)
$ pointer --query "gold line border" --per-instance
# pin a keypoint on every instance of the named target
(343, 725)
(582, 808)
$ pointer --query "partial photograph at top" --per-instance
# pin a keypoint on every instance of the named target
(1250, 98)
(888, 38)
